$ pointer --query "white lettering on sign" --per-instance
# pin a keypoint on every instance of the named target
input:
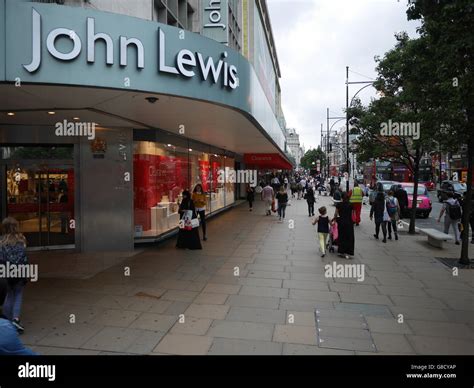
(215, 15)
(186, 62)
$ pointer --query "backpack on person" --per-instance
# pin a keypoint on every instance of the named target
(454, 210)
(392, 207)
(13, 254)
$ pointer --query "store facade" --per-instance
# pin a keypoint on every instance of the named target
(106, 119)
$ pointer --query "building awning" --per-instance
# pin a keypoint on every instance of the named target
(275, 161)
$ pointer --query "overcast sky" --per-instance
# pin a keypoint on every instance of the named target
(316, 40)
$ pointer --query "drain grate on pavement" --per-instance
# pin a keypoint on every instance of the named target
(346, 330)
(454, 262)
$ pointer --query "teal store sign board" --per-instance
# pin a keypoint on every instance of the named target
(54, 44)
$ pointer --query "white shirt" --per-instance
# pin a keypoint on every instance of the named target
(267, 193)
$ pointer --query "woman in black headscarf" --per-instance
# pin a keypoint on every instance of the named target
(188, 236)
(343, 216)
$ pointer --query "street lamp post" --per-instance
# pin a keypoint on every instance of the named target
(369, 83)
(327, 135)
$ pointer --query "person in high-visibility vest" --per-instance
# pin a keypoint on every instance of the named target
(356, 201)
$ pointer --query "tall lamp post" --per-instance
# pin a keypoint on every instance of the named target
(368, 83)
(340, 118)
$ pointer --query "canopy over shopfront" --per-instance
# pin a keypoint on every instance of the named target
(275, 161)
(158, 124)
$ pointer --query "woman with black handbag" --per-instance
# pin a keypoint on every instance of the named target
(188, 235)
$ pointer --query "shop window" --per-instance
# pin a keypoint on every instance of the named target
(160, 176)
(163, 171)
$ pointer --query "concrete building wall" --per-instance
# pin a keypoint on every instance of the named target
(139, 8)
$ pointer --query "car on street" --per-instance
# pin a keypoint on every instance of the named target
(383, 186)
(456, 188)
(423, 201)
(429, 185)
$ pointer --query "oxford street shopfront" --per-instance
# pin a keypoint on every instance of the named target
(105, 119)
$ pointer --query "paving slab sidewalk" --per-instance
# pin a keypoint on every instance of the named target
(258, 287)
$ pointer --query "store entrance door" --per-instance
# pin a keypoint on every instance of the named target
(39, 194)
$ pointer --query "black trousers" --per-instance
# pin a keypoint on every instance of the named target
(250, 201)
(202, 216)
(384, 228)
(392, 224)
(471, 221)
(311, 208)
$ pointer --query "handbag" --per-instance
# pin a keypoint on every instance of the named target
(187, 222)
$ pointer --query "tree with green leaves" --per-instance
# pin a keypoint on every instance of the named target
(448, 26)
(401, 125)
(313, 155)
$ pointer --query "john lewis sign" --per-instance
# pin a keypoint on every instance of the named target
(215, 20)
(185, 63)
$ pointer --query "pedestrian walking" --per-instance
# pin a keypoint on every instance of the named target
(13, 252)
(309, 196)
(393, 210)
(343, 217)
(250, 196)
(452, 208)
(402, 197)
(275, 183)
(282, 197)
(323, 229)
(188, 235)
(356, 200)
(200, 200)
(378, 212)
(337, 195)
(294, 188)
(268, 196)
(471, 217)
(300, 190)
(10, 344)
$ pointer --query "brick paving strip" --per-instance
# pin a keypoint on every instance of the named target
(257, 287)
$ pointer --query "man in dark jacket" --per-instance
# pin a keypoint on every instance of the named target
(402, 197)
(309, 196)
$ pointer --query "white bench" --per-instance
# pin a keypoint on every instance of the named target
(435, 237)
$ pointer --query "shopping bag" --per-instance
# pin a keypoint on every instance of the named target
(273, 206)
(399, 224)
(334, 231)
(186, 221)
(195, 223)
